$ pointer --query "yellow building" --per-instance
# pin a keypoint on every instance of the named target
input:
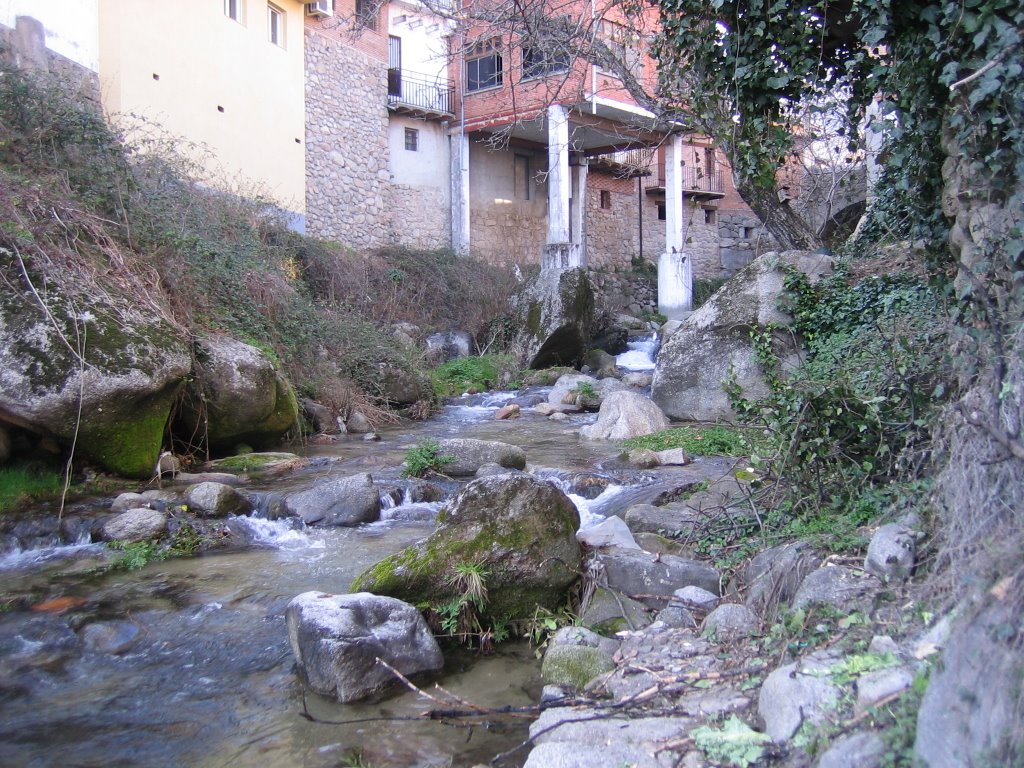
(226, 75)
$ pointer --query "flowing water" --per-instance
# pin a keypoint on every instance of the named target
(186, 662)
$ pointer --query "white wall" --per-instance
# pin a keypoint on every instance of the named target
(71, 26)
(424, 45)
(430, 165)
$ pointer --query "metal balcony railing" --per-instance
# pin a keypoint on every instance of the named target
(697, 179)
(420, 92)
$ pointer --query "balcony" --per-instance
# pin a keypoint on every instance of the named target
(626, 163)
(698, 183)
(420, 95)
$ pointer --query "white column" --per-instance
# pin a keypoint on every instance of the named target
(460, 193)
(558, 174)
(578, 231)
(675, 273)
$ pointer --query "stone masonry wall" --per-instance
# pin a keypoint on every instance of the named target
(742, 238)
(347, 177)
(625, 292)
(419, 217)
(24, 47)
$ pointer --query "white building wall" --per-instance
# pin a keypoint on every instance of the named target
(72, 28)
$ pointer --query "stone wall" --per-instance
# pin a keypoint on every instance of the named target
(24, 47)
(624, 292)
(419, 217)
(612, 233)
(347, 178)
(741, 238)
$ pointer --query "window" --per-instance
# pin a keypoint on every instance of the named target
(709, 216)
(412, 139)
(748, 233)
(522, 177)
(233, 10)
(366, 13)
(485, 70)
(661, 212)
(606, 199)
(540, 60)
(275, 25)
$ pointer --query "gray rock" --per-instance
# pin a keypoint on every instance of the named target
(472, 454)
(775, 575)
(519, 530)
(610, 612)
(580, 728)
(600, 363)
(970, 714)
(557, 318)
(858, 750)
(797, 693)
(574, 666)
(559, 416)
(125, 501)
(644, 458)
(109, 636)
(841, 587)
(243, 396)
(491, 469)
(448, 345)
(610, 532)
(875, 686)
(216, 500)
(358, 424)
(676, 615)
(624, 415)
(321, 417)
(883, 644)
(564, 754)
(400, 386)
(637, 379)
(713, 344)
(336, 640)
(651, 579)
(581, 636)
(695, 597)
(135, 525)
(336, 501)
(731, 621)
(891, 553)
(676, 519)
(674, 457)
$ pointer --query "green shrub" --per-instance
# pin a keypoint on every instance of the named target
(425, 457)
(481, 373)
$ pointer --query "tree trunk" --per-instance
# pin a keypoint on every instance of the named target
(791, 231)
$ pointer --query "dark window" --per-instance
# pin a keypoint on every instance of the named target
(366, 13)
(233, 9)
(541, 60)
(748, 233)
(484, 71)
(412, 139)
(606, 199)
(709, 216)
(661, 211)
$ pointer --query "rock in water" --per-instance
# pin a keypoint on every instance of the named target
(518, 531)
(624, 415)
(337, 640)
(336, 501)
(469, 455)
(557, 318)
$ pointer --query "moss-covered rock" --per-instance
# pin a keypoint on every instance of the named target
(575, 665)
(517, 531)
(556, 318)
(238, 396)
(96, 370)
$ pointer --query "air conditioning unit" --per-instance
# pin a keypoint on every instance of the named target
(320, 8)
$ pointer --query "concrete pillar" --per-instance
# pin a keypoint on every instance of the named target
(560, 252)
(578, 218)
(460, 193)
(675, 272)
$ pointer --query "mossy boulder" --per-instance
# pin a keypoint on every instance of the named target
(556, 316)
(96, 371)
(519, 531)
(238, 396)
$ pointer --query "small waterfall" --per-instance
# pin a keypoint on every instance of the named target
(641, 354)
(282, 534)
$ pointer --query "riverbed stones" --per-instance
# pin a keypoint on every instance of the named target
(843, 588)
(140, 524)
(624, 415)
(575, 656)
(774, 575)
(243, 396)
(891, 552)
(216, 500)
(651, 579)
(610, 532)
(583, 391)
(518, 531)
(609, 612)
(469, 455)
(797, 693)
(858, 750)
(337, 639)
(731, 621)
(344, 501)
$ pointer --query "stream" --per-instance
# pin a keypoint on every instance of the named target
(186, 661)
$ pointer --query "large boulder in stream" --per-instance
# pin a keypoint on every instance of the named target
(238, 396)
(517, 532)
(468, 455)
(337, 640)
(336, 501)
(98, 370)
(713, 345)
(624, 415)
(557, 318)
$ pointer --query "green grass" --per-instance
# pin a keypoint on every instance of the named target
(19, 485)
(480, 373)
(425, 457)
(701, 441)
